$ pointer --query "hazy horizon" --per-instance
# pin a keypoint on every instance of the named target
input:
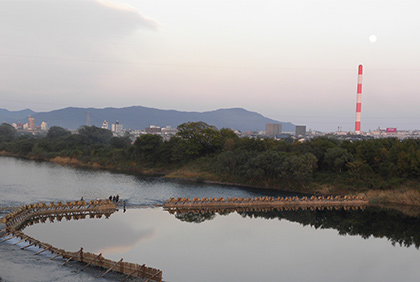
(292, 61)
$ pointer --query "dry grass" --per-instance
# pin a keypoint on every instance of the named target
(403, 196)
(325, 189)
(192, 174)
(65, 161)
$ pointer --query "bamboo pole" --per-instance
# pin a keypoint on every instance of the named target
(91, 262)
(67, 261)
(134, 271)
(57, 255)
(13, 236)
(28, 246)
(111, 268)
(159, 272)
(42, 251)
(4, 235)
(20, 241)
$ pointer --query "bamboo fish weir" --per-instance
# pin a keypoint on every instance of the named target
(40, 212)
(262, 203)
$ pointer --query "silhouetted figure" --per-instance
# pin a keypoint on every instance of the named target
(110, 198)
(124, 206)
(81, 199)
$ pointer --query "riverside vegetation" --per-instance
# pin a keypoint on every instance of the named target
(384, 170)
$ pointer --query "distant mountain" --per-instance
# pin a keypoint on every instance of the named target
(15, 116)
(138, 117)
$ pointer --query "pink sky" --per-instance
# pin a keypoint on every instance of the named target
(288, 60)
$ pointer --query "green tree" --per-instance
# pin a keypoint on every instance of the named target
(120, 142)
(94, 135)
(299, 168)
(229, 139)
(359, 169)
(337, 158)
(57, 132)
(265, 167)
(199, 139)
(146, 147)
(7, 132)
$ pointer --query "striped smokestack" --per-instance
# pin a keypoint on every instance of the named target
(359, 100)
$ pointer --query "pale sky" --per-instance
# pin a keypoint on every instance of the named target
(290, 60)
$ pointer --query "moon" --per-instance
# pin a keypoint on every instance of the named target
(372, 38)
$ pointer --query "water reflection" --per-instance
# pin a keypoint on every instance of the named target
(92, 233)
(397, 227)
(240, 246)
(251, 245)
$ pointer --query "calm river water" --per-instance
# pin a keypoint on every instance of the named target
(322, 245)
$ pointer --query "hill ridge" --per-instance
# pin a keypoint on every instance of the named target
(140, 117)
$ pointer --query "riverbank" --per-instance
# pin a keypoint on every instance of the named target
(406, 194)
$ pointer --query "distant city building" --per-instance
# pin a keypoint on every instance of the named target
(167, 128)
(31, 123)
(169, 131)
(273, 129)
(300, 130)
(117, 127)
(153, 129)
(105, 125)
(44, 126)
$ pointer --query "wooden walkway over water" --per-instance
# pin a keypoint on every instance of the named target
(40, 212)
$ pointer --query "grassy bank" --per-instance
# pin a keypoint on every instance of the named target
(404, 192)
(398, 191)
(402, 196)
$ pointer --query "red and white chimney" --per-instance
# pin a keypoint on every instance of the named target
(359, 100)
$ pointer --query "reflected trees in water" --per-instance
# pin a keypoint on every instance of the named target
(394, 225)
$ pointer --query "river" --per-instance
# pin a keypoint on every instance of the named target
(321, 245)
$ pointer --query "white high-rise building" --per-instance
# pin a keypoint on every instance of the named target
(44, 126)
(105, 125)
(117, 127)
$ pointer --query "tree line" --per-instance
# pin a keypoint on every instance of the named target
(365, 164)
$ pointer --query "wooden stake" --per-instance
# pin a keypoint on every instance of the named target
(28, 246)
(57, 255)
(90, 262)
(67, 261)
(20, 241)
(153, 275)
(134, 271)
(13, 236)
(42, 251)
(112, 267)
(4, 235)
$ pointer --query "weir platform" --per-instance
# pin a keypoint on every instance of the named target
(265, 202)
(40, 212)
